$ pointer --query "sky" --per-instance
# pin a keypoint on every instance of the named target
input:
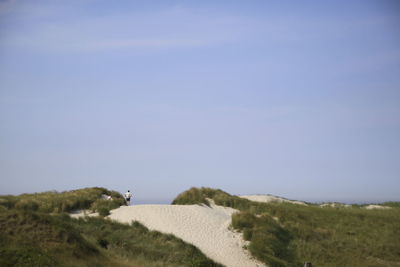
(299, 99)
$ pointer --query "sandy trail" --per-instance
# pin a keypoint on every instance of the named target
(204, 227)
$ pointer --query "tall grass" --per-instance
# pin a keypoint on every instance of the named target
(56, 202)
(285, 234)
(196, 196)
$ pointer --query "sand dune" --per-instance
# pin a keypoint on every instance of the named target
(205, 227)
(269, 198)
(370, 207)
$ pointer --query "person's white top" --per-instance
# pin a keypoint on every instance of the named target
(128, 195)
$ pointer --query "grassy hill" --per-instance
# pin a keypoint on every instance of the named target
(285, 234)
(35, 230)
(55, 202)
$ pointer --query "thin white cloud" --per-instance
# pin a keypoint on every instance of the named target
(171, 28)
(115, 44)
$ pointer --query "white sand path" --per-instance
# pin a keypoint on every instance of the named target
(204, 227)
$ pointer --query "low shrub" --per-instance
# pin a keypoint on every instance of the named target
(103, 212)
(104, 206)
(243, 220)
(103, 243)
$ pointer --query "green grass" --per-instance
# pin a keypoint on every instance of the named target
(46, 236)
(284, 234)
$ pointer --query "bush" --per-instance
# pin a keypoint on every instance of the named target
(103, 212)
(243, 220)
(247, 234)
(102, 243)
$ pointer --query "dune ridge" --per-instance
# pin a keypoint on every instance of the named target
(206, 227)
(270, 198)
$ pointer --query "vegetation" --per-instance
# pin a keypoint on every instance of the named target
(197, 196)
(55, 202)
(47, 236)
(285, 234)
(392, 204)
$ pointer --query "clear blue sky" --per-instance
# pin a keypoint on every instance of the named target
(294, 98)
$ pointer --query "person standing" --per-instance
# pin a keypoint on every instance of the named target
(128, 196)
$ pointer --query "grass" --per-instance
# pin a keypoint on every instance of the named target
(392, 204)
(55, 202)
(196, 196)
(285, 234)
(47, 236)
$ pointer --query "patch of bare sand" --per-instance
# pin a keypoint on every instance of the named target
(371, 207)
(82, 213)
(205, 227)
(269, 198)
